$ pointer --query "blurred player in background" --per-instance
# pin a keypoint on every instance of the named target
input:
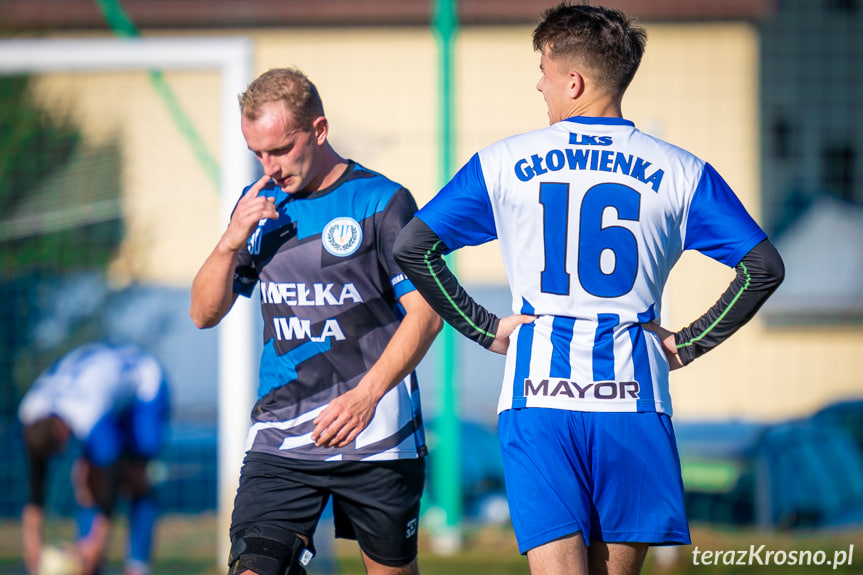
(338, 412)
(591, 214)
(114, 401)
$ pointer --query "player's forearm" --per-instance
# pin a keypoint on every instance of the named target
(347, 415)
(92, 548)
(419, 253)
(212, 289)
(406, 348)
(759, 273)
(32, 519)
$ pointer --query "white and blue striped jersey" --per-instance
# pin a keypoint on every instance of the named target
(90, 383)
(591, 215)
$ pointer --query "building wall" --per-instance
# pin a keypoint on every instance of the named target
(698, 88)
(812, 86)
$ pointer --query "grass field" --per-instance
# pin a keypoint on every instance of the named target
(187, 545)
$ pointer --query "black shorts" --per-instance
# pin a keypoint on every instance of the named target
(377, 503)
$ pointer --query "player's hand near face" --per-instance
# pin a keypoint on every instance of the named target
(212, 288)
(505, 328)
(251, 209)
(669, 345)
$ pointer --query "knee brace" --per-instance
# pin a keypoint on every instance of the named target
(266, 556)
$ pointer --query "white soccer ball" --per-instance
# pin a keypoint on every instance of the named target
(55, 560)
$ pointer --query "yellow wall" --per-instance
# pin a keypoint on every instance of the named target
(698, 88)
(170, 201)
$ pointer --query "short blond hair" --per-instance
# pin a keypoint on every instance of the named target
(289, 86)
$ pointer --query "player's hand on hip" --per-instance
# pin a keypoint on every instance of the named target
(343, 419)
(250, 210)
(669, 345)
(505, 327)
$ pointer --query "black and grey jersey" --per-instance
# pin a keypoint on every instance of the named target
(329, 302)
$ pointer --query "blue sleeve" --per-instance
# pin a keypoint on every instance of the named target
(148, 423)
(460, 214)
(104, 444)
(718, 225)
(401, 285)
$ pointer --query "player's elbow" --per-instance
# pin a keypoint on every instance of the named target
(207, 311)
(435, 324)
(424, 316)
(412, 246)
(203, 320)
(772, 272)
(776, 270)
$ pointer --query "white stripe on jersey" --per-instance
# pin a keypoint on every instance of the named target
(532, 378)
(396, 400)
(291, 423)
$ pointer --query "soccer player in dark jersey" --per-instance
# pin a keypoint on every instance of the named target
(591, 215)
(338, 411)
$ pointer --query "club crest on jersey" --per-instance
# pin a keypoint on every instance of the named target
(342, 236)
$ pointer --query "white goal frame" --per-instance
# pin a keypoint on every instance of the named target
(232, 57)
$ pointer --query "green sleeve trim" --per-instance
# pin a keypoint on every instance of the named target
(449, 299)
(703, 334)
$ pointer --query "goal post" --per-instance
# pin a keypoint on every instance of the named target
(232, 58)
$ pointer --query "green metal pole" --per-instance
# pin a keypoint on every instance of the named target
(447, 457)
(123, 27)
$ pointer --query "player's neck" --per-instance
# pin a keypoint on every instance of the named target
(596, 106)
(331, 168)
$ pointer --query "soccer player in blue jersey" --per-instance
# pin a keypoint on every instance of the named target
(590, 214)
(338, 412)
(114, 401)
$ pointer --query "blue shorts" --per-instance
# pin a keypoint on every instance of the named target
(612, 477)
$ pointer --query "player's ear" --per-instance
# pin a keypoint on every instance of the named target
(321, 128)
(576, 84)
